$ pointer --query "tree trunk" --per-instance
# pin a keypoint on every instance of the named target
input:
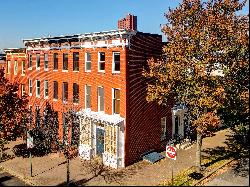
(198, 152)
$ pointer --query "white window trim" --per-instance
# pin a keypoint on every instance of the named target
(86, 95)
(22, 89)
(98, 100)
(37, 89)
(23, 71)
(46, 97)
(102, 71)
(30, 68)
(113, 91)
(87, 61)
(8, 66)
(15, 64)
(38, 68)
(30, 86)
(113, 62)
(46, 69)
(65, 70)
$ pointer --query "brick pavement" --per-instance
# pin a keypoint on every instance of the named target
(51, 169)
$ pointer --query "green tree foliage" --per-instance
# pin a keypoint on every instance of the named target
(202, 40)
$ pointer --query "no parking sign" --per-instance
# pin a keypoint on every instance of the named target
(171, 152)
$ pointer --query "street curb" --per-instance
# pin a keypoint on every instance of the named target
(24, 179)
(213, 171)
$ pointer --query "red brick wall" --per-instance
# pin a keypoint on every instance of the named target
(94, 78)
(143, 125)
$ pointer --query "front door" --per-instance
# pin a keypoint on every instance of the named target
(99, 141)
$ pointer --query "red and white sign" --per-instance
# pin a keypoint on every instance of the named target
(171, 152)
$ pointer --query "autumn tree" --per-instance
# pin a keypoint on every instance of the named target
(202, 46)
(13, 110)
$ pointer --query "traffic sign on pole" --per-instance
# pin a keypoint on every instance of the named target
(171, 152)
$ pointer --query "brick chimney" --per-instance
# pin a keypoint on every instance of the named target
(129, 22)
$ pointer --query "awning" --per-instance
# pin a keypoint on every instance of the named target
(100, 117)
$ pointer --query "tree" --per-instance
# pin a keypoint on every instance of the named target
(13, 110)
(201, 40)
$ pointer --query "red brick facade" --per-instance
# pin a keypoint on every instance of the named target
(129, 23)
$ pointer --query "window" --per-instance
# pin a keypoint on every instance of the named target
(23, 67)
(22, 89)
(101, 62)
(65, 61)
(116, 101)
(30, 87)
(116, 62)
(8, 66)
(55, 61)
(87, 61)
(100, 98)
(65, 92)
(110, 139)
(75, 93)
(163, 128)
(30, 61)
(55, 86)
(15, 67)
(38, 61)
(75, 61)
(46, 88)
(37, 88)
(88, 96)
(46, 61)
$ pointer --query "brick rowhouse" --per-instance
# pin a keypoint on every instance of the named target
(104, 71)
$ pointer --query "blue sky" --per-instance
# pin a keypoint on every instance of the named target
(23, 19)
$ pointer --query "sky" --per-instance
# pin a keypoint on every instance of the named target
(26, 19)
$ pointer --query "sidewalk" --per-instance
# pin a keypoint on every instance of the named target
(51, 169)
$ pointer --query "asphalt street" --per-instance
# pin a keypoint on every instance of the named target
(9, 180)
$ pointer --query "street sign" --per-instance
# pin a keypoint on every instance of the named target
(171, 152)
(29, 140)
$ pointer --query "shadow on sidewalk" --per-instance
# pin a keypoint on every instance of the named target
(50, 168)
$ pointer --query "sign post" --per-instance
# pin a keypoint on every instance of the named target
(171, 153)
(30, 146)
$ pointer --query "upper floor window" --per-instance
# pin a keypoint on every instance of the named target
(46, 89)
(65, 92)
(87, 96)
(38, 61)
(116, 62)
(23, 67)
(75, 93)
(55, 93)
(87, 61)
(116, 101)
(15, 67)
(22, 89)
(30, 60)
(8, 67)
(100, 98)
(55, 61)
(38, 88)
(30, 87)
(75, 61)
(101, 61)
(65, 61)
(46, 61)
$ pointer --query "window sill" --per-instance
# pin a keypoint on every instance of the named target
(87, 71)
(46, 69)
(101, 71)
(29, 68)
(75, 71)
(38, 96)
(22, 74)
(38, 69)
(75, 103)
(30, 94)
(55, 99)
(55, 69)
(116, 72)
(64, 70)
(46, 97)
